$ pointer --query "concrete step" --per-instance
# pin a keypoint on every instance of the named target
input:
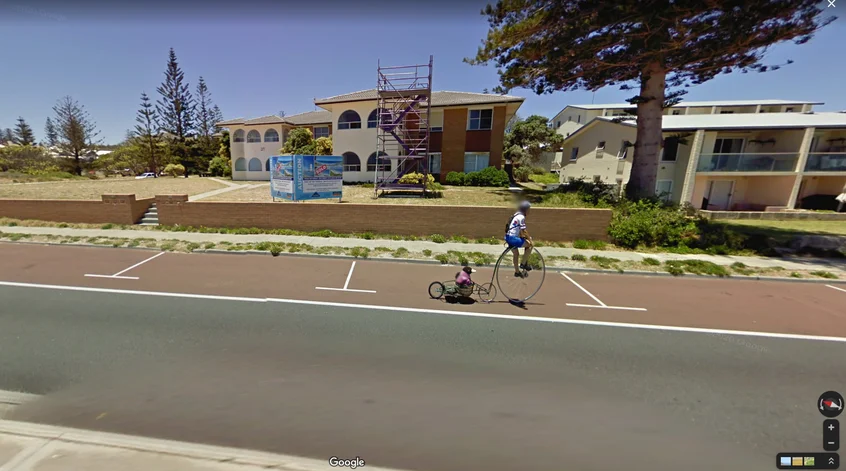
(148, 219)
(152, 211)
(148, 224)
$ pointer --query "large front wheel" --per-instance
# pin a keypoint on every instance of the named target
(521, 283)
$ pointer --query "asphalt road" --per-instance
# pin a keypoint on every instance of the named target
(413, 390)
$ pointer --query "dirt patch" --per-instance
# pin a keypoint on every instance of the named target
(93, 189)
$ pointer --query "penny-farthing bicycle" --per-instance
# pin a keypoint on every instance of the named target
(518, 286)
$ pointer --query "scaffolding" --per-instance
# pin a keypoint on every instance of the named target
(402, 135)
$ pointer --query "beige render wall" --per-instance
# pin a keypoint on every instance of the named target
(591, 163)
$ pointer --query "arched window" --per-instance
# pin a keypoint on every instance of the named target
(267, 165)
(255, 165)
(241, 165)
(351, 162)
(253, 136)
(349, 120)
(271, 136)
(384, 164)
(373, 119)
(238, 136)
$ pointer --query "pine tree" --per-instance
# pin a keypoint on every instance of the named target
(175, 108)
(218, 117)
(75, 131)
(146, 132)
(205, 120)
(23, 133)
(52, 136)
(653, 45)
(7, 136)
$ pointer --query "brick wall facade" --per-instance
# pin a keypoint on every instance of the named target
(497, 137)
(550, 224)
(115, 209)
(453, 141)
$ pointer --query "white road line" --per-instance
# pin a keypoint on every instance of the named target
(349, 275)
(586, 291)
(608, 307)
(346, 284)
(625, 325)
(112, 276)
(345, 289)
(838, 289)
(139, 263)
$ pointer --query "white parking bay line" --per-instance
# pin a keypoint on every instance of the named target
(117, 275)
(835, 287)
(600, 304)
(346, 284)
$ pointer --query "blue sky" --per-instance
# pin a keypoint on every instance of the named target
(262, 59)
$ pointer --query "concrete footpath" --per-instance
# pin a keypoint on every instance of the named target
(35, 447)
(787, 263)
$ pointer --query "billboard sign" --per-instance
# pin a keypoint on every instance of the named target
(307, 177)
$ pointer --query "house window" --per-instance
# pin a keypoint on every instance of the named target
(597, 178)
(436, 129)
(671, 149)
(238, 136)
(480, 120)
(241, 165)
(321, 131)
(601, 145)
(475, 161)
(664, 189)
(253, 136)
(267, 165)
(574, 154)
(255, 165)
(728, 146)
(579, 118)
(676, 112)
(435, 162)
(788, 110)
(271, 136)
(569, 118)
(373, 119)
(351, 162)
(558, 124)
(726, 112)
(624, 150)
(349, 120)
(384, 164)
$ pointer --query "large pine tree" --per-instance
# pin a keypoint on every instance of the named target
(76, 131)
(175, 109)
(7, 136)
(23, 133)
(205, 119)
(146, 133)
(652, 45)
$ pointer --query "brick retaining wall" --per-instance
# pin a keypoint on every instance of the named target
(116, 209)
(774, 215)
(552, 224)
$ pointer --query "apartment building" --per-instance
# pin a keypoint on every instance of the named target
(742, 161)
(467, 132)
(572, 117)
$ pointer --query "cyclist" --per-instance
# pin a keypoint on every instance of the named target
(516, 236)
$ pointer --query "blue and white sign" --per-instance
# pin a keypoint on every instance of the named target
(307, 177)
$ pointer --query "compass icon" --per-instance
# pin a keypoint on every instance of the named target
(830, 404)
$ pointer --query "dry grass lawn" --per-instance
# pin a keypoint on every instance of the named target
(776, 227)
(92, 189)
(463, 196)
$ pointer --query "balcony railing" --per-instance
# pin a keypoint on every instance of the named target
(826, 162)
(777, 162)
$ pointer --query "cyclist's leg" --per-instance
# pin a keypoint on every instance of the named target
(527, 251)
(516, 256)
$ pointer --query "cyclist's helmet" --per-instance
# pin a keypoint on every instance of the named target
(524, 205)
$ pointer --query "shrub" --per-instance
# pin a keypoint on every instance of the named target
(174, 170)
(521, 174)
(794, 274)
(415, 178)
(489, 176)
(427, 252)
(539, 171)
(400, 252)
(438, 239)
(209, 245)
(455, 178)
(460, 238)
(824, 274)
(443, 258)
(580, 244)
(578, 257)
(651, 261)
(220, 167)
(698, 267)
(360, 252)
(275, 249)
(192, 246)
(651, 224)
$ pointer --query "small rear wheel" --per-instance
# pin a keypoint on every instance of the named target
(436, 290)
(487, 292)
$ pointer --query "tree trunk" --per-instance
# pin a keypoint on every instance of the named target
(647, 147)
(77, 164)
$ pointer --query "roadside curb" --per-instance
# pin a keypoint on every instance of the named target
(16, 398)
(435, 262)
(168, 447)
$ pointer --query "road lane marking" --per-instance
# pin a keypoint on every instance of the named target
(346, 284)
(117, 275)
(601, 304)
(625, 325)
(838, 289)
